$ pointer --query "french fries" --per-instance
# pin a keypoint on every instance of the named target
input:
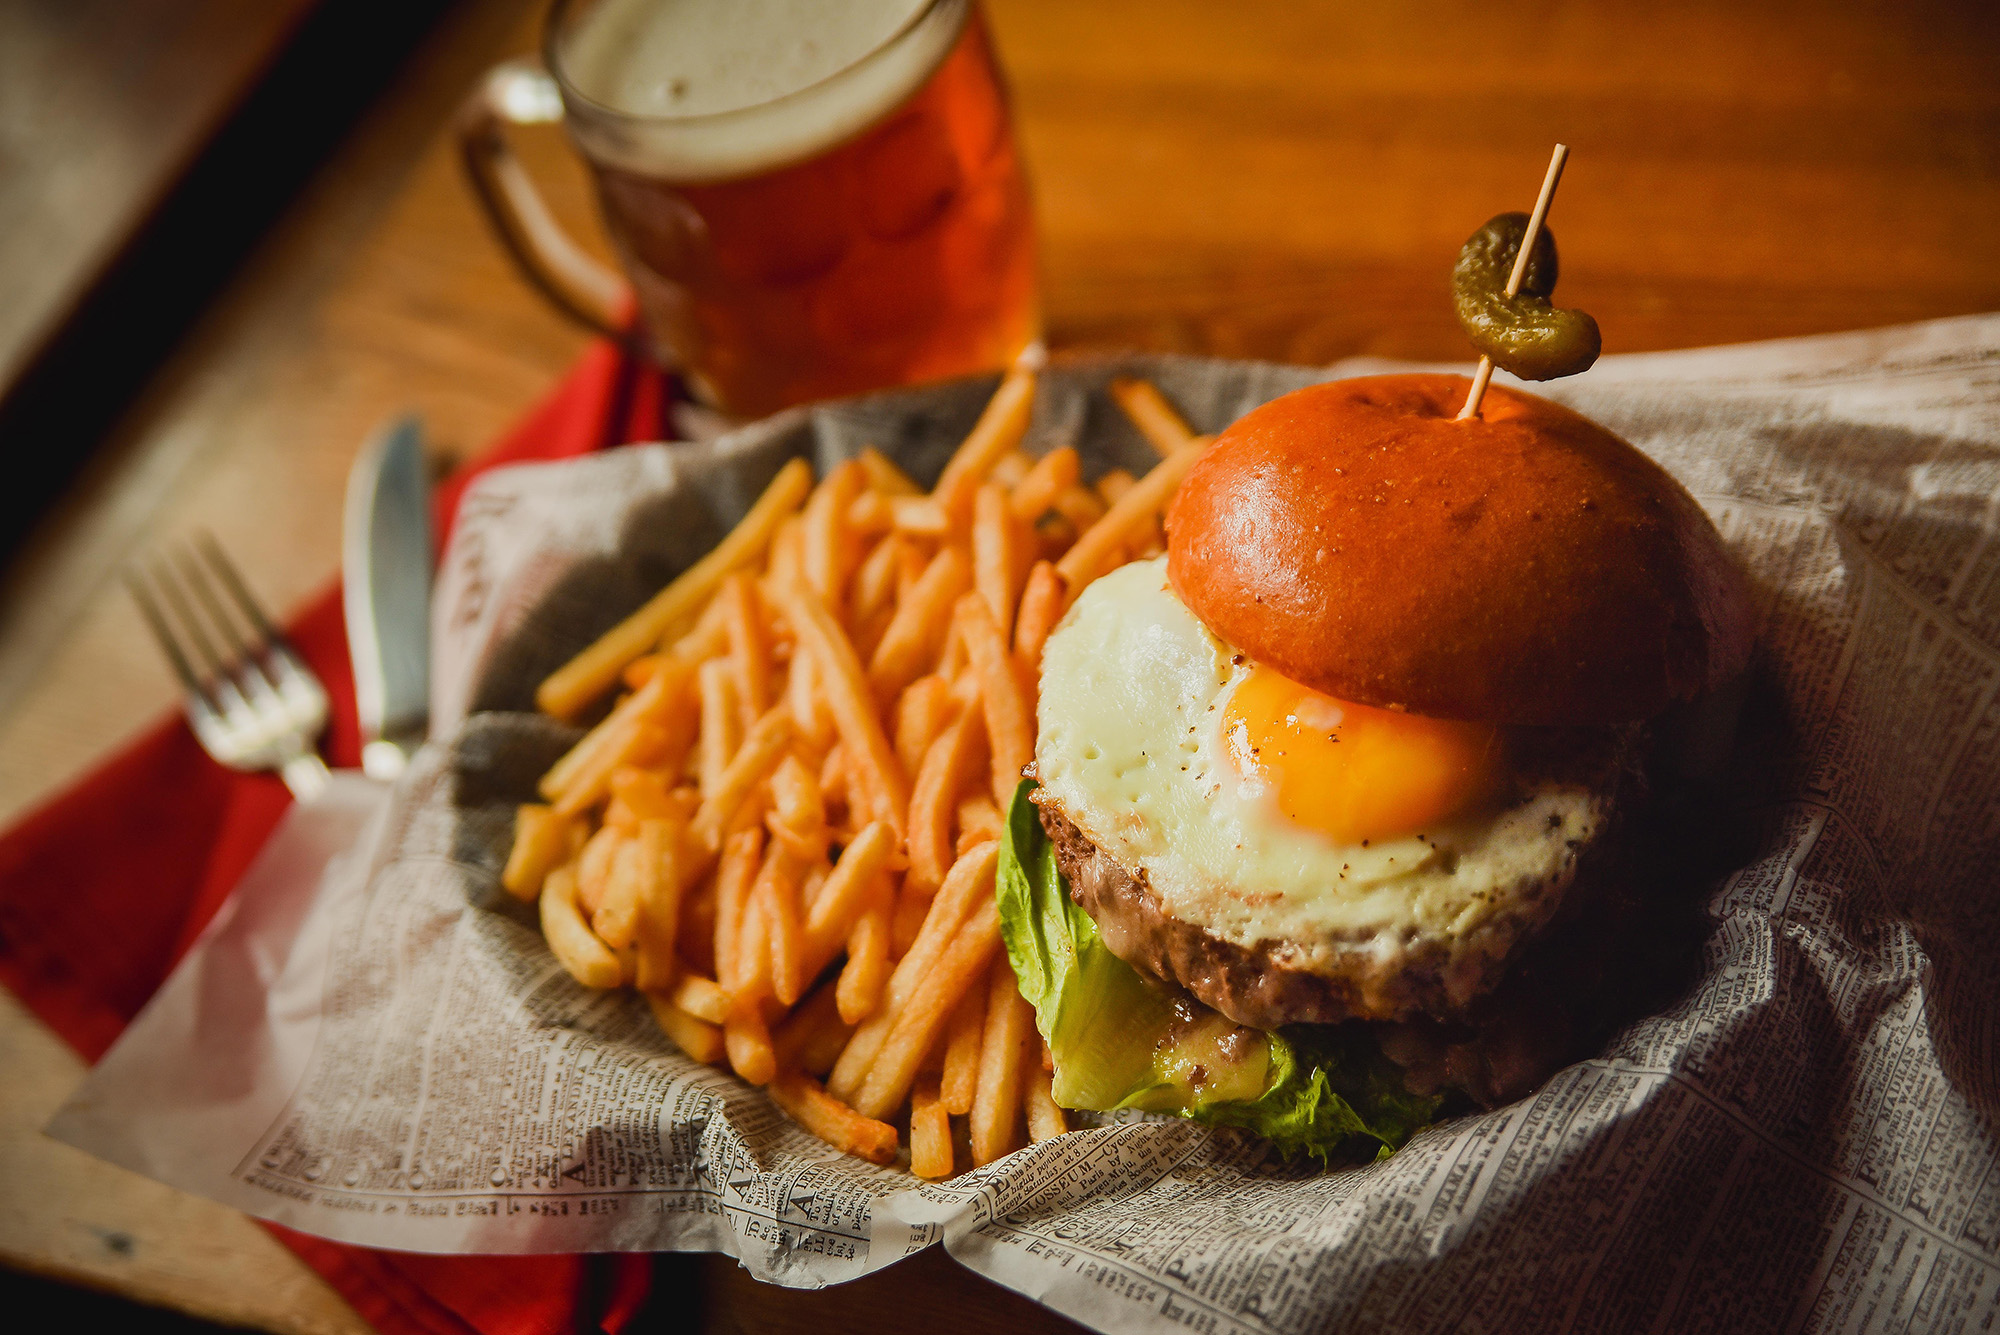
(696, 1037)
(785, 829)
(1158, 421)
(922, 712)
(998, 546)
(732, 897)
(747, 1039)
(570, 939)
(1046, 1119)
(883, 475)
(754, 759)
(833, 1121)
(845, 895)
(571, 688)
(923, 1016)
(1138, 505)
(860, 989)
(930, 1132)
(776, 895)
(1035, 494)
(996, 1102)
(663, 847)
(749, 646)
(541, 841)
(971, 879)
(1009, 729)
(811, 1037)
(1041, 607)
(948, 766)
(855, 716)
(700, 997)
(959, 1081)
(998, 430)
(915, 634)
(721, 723)
(627, 885)
(824, 538)
(593, 868)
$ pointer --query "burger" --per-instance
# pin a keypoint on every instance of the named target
(1334, 807)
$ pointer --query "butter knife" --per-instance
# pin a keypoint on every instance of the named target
(386, 578)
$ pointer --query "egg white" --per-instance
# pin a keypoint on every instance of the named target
(1131, 746)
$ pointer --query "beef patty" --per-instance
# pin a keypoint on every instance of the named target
(1267, 984)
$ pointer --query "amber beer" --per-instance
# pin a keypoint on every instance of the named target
(810, 199)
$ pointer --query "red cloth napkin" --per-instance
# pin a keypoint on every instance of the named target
(104, 888)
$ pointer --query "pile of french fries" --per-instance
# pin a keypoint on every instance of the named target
(785, 830)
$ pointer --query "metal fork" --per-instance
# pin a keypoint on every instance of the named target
(253, 704)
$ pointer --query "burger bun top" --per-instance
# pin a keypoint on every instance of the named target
(1523, 567)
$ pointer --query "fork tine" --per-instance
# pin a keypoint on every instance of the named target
(203, 586)
(238, 590)
(251, 705)
(157, 623)
(265, 653)
(190, 624)
(252, 672)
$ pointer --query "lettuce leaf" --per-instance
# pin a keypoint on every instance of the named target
(1121, 1040)
(1330, 1085)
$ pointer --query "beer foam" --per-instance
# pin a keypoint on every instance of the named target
(709, 89)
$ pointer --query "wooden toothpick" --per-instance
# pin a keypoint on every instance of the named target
(1485, 371)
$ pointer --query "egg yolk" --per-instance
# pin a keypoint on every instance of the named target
(1354, 772)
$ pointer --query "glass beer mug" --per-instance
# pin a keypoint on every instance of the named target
(810, 198)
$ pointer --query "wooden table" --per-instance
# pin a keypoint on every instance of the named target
(91, 152)
(1264, 178)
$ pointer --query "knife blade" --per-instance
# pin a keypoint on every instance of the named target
(386, 594)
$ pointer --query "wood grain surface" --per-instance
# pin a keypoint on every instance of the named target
(1265, 179)
(103, 103)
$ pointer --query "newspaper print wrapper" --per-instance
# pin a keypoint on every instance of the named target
(380, 1049)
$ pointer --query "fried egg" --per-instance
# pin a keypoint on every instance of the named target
(1262, 811)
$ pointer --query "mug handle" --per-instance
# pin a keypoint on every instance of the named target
(520, 92)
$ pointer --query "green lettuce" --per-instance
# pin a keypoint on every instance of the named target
(1120, 1040)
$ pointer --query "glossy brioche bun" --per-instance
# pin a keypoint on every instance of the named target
(1525, 567)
